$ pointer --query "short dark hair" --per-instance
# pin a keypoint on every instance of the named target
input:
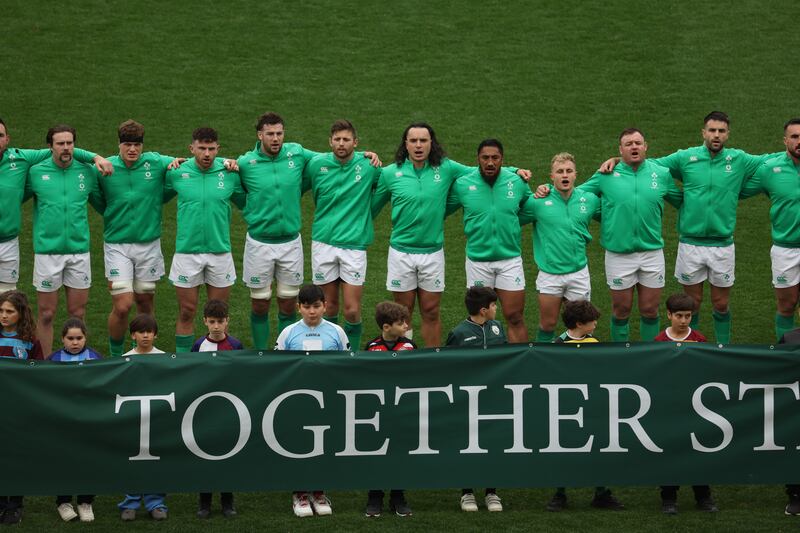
(268, 119)
(437, 152)
(59, 128)
(478, 298)
(3, 123)
(791, 122)
(343, 125)
(680, 302)
(309, 294)
(717, 115)
(579, 312)
(490, 142)
(205, 134)
(390, 312)
(143, 323)
(130, 131)
(630, 131)
(215, 309)
(73, 322)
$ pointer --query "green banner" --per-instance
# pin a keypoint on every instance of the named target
(515, 416)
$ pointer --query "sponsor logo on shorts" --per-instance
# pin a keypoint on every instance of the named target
(113, 272)
(319, 276)
(395, 283)
(617, 282)
(47, 283)
(686, 277)
(183, 279)
(255, 279)
(478, 283)
(781, 279)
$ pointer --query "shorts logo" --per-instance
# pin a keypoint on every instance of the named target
(357, 275)
(13, 272)
(617, 282)
(255, 279)
(227, 277)
(318, 276)
(183, 279)
(781, 279)
(686, 277)
(297, 276)
(478, 283)
(517, 280)
(726, 277)
(660, 277)
(113, 272)
(437, 282)
(495, 330)
(152, 270)
(47, 283)
(85, 278)
(395, 283)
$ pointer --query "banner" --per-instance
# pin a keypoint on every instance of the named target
(515, 416)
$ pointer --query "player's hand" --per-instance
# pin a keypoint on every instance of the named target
(175, 163)
(542, 191)
(525, 174)
(374, 160)
(231, 165)
(103, 165)
(608, 165)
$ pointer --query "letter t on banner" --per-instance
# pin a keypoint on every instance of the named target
(144, 423)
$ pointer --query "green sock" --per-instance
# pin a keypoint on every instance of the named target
(116, 346)
(619, 329)
(722, 326)
(545, 336)
(695, 322)
(183, 343)
(649, 328)
(259, 328)
(783, 324)
(353, 332)
(285, 320)
(332, 319)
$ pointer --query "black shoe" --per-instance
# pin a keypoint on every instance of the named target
(707, 504)
(12, 516)
(374, 506)
(605, 500)
(669, 507)
(399, 505)
(557, 503)
(204, 513)
(793, 507)
(228, 511)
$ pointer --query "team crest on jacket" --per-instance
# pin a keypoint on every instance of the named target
(495, 329)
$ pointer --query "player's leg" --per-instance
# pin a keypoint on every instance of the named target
(401, 281)
(787, 298)
(289, 274)
(549, 309)
(148, 268)
(258, 269)
(509, 283)
(430, 282)
(353, 272)
(785, 279)
(119, 273)
(325, 273)
(691, 271)
(331, 291)
(186, 274)
(220, 275)
(9, 265)
(650, 284)
(76, 301)
(621, 277)
(720, 298)
(77, 280)
(721, 276)
(46, 307)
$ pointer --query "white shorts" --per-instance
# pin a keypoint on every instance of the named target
(192, 270)
(506, 274)
(407, 272)
(264, 262)
(51, 271)
(695, 264)
(329, 263)
(141, 261)
(623, 271)
(572, 286)
(785, 266)
(9, 261)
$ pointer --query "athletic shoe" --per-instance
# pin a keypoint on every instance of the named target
(85, 512)
(374, 505)
(159, 513)
(493, 503)
(707, 505)
(321, 503)
(67, 512)
(12, 516)
(605, 500)
(793, 507)
(468, 503)
(399, 505)
(669, 507)
(128, 515)
(229, 511)
(300, 505)
(204, 513)
(557, 503)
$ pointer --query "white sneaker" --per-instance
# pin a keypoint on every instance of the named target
(85, 512)
(300, 505)
(321, 504)
(468, 503)
(67, 512)
(493, 503)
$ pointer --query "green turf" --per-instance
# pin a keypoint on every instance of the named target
(542, 76)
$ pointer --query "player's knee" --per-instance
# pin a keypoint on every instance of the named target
(187, 311)
(46, 315)
(144, 287)
(7, 286)
(120, 287)
(352, 315)
(287, 291)
(261, 293)
(514, 318)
